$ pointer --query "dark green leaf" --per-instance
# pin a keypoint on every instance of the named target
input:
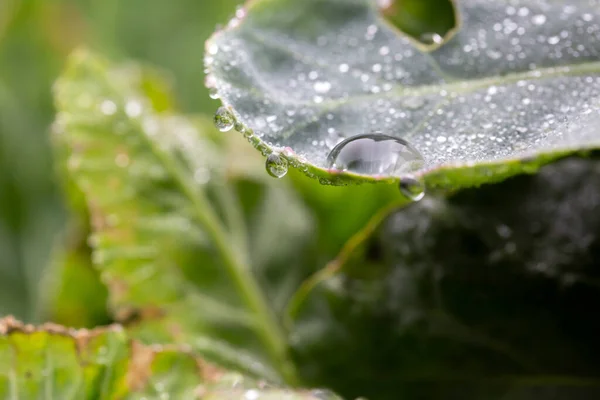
(487, 294)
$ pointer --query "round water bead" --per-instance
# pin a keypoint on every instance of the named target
(276, 166)
(224, 119)
(213, 93)
(431, 38)
(412, 188)
(375, 154)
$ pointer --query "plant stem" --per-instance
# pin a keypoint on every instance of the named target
(236, 264)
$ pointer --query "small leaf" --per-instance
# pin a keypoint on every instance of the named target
(516, 87)
(486, 294)
(187, 257)
(53, 362)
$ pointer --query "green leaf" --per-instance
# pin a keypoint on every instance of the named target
(53, 362)
(517, 86)
(486, 294)
(189, 245)
(415, 18)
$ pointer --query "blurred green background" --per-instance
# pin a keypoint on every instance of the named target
(35, 38)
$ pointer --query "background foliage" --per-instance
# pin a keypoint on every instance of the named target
(35, 38)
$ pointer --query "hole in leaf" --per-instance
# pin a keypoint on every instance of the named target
(428, 21)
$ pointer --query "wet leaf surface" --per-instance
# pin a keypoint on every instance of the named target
(489, 293)
(516, 87)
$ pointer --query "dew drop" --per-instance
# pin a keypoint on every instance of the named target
(213, 49)
(375, 154)
(322, 86)
(431, 38)
(412, 188)
(539, 19)
(224, 119)
(276, 166)
(213, 93)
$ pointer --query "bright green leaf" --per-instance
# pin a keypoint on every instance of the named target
(55, 363)
(189, 246)
(516, 87)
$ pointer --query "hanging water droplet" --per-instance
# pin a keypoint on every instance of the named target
(276, 165)
(412, 188)
(213, 93)
(375, 154)
(224, 119)
(431, 38)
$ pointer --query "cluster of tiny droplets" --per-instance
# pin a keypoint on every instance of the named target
(514, 80)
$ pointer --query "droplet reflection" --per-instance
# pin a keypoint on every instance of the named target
(276, 166)
(375, 154)
(224, 119)
(412, 188)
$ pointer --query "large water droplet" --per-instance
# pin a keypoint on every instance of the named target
(375, 154)
(224, 119)
(276, 166)
(412, 188)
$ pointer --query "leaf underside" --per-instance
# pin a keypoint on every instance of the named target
(517, 86)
